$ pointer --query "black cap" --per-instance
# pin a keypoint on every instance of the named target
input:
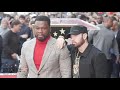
(75, 30)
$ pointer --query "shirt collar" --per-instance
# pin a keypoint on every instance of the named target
(87, 50)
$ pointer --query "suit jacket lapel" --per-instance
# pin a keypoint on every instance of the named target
(32, 47)
(47, 52)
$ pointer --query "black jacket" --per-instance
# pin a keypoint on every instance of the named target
(92, 64)
(10, 45)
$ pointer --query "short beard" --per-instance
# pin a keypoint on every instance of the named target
(79, 44)
(42, 39)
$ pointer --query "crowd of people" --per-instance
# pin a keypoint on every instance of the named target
(28, 49)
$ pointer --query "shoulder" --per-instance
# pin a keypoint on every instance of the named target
(53, 39)
(8, 34)
(95, 49)
(97, 52)
(28, 43)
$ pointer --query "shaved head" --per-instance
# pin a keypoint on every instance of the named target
(115, 25)
(108, 21)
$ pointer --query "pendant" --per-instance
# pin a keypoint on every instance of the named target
(75, 69)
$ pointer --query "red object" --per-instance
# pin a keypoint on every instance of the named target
(8, 75)
(111, 13)
(39, 51)
(100, 12)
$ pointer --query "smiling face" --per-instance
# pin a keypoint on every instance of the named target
(42, 30)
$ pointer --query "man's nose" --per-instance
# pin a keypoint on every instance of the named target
(40, 30)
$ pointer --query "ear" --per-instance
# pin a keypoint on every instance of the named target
(85, 36)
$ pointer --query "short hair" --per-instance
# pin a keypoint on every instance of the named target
(83, 17)
(4, 20)
(112, 18)
(43, 18)
(22, 16)
(15, 22)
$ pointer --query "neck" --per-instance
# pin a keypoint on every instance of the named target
(106, 26)
(45, 41)
(83, 47)
(13, 30)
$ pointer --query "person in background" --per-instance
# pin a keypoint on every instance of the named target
(99, 19)
(31, 26)
(11, 49)
(4, 27)
(104, 39)
(24, 32)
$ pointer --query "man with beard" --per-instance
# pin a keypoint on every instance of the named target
(87, 61)
(99, 19)
(40, 57)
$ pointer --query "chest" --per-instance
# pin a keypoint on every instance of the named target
(14, 39)
(86, 67)
(49, 55)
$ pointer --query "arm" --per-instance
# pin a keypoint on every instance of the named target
(23, 68)
(100, 66)
(6, 48)
(26, 34)
(91, 34)
(60, 42)
(65, 63)
(115, 49)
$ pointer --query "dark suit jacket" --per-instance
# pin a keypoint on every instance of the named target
(93, 63)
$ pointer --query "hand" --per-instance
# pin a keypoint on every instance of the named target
(60, 42)
(14, 56)
(117, 60)
(23, 69)
(24, 36)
